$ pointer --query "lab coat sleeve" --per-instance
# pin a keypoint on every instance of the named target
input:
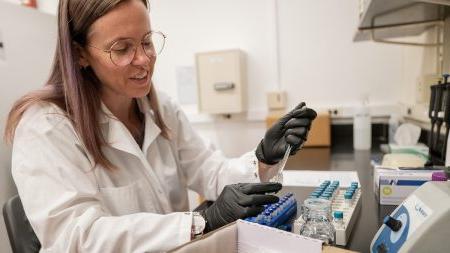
(207, 170)
(61, 198)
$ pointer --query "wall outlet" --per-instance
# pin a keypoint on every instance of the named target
(2, 48)
(276, 100)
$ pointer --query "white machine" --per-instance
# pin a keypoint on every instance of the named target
(420, 224)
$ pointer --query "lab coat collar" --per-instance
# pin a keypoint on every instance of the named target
(118, 136)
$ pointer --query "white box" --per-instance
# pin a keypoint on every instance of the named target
(246, 237)
(222, 82)
(393, 186)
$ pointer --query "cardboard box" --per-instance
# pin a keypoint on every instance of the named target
(320, 133)
(311, 159)
(243, 236)
(392, 186)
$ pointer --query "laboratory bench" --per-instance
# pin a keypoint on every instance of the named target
(342, 157)
(345, 159)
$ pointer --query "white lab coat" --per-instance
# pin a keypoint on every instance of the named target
(142, 206)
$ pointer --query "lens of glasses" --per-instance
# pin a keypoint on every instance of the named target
(153, 43)
(123, 51)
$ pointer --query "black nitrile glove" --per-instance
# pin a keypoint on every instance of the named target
(239, 201)
(292, 129)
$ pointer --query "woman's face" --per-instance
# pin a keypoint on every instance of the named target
(129, 21)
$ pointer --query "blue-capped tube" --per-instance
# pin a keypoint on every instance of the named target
(325, 183)
(348, 199)
(338, 220)
(317, 194)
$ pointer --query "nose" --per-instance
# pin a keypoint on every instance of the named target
(141, 58)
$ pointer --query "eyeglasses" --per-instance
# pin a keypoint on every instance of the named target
(122, 51)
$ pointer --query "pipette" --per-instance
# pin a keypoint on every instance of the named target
(278, 178)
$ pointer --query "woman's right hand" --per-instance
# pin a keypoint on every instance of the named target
(239, 201)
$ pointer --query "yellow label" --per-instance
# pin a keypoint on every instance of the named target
(387, 190)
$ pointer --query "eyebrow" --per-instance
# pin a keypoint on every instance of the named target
(111, 42)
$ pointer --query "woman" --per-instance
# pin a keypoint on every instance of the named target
(102, 162)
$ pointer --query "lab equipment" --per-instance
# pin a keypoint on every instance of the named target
(439, 114)
(278, 178)
(278, 215)
(343, 199)
(393, 186)
(419, 224)
(316, 214)
(446, 116)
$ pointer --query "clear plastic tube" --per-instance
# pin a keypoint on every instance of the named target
(278, 178)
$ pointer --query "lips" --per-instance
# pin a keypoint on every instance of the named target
(140, 76)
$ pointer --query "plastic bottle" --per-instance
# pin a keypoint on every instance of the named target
(338, 220)
(362, 127)
(317, 217)
(393, 125)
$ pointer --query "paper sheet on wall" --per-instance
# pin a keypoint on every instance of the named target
(313, 178)
(186, 85)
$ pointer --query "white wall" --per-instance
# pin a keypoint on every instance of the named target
(29, 41)
(202, 25)
(319, 62)
(322, 63)
(46, 6)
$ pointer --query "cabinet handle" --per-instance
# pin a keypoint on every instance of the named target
(222, 86)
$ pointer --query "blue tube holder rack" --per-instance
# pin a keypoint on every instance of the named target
(278, 215)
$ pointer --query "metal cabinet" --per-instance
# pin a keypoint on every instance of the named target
(222, 82)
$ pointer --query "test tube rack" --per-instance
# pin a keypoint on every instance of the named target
(278, 215)
(345, 199)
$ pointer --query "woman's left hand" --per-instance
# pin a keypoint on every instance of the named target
(292, 129)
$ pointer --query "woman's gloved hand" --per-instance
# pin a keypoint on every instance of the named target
(239, 201)
(292, 129)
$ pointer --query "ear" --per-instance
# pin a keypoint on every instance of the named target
(81, 55)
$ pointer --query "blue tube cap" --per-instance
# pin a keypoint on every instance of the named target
(338, 214)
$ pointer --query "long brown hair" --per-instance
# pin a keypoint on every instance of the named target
(74, 89)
